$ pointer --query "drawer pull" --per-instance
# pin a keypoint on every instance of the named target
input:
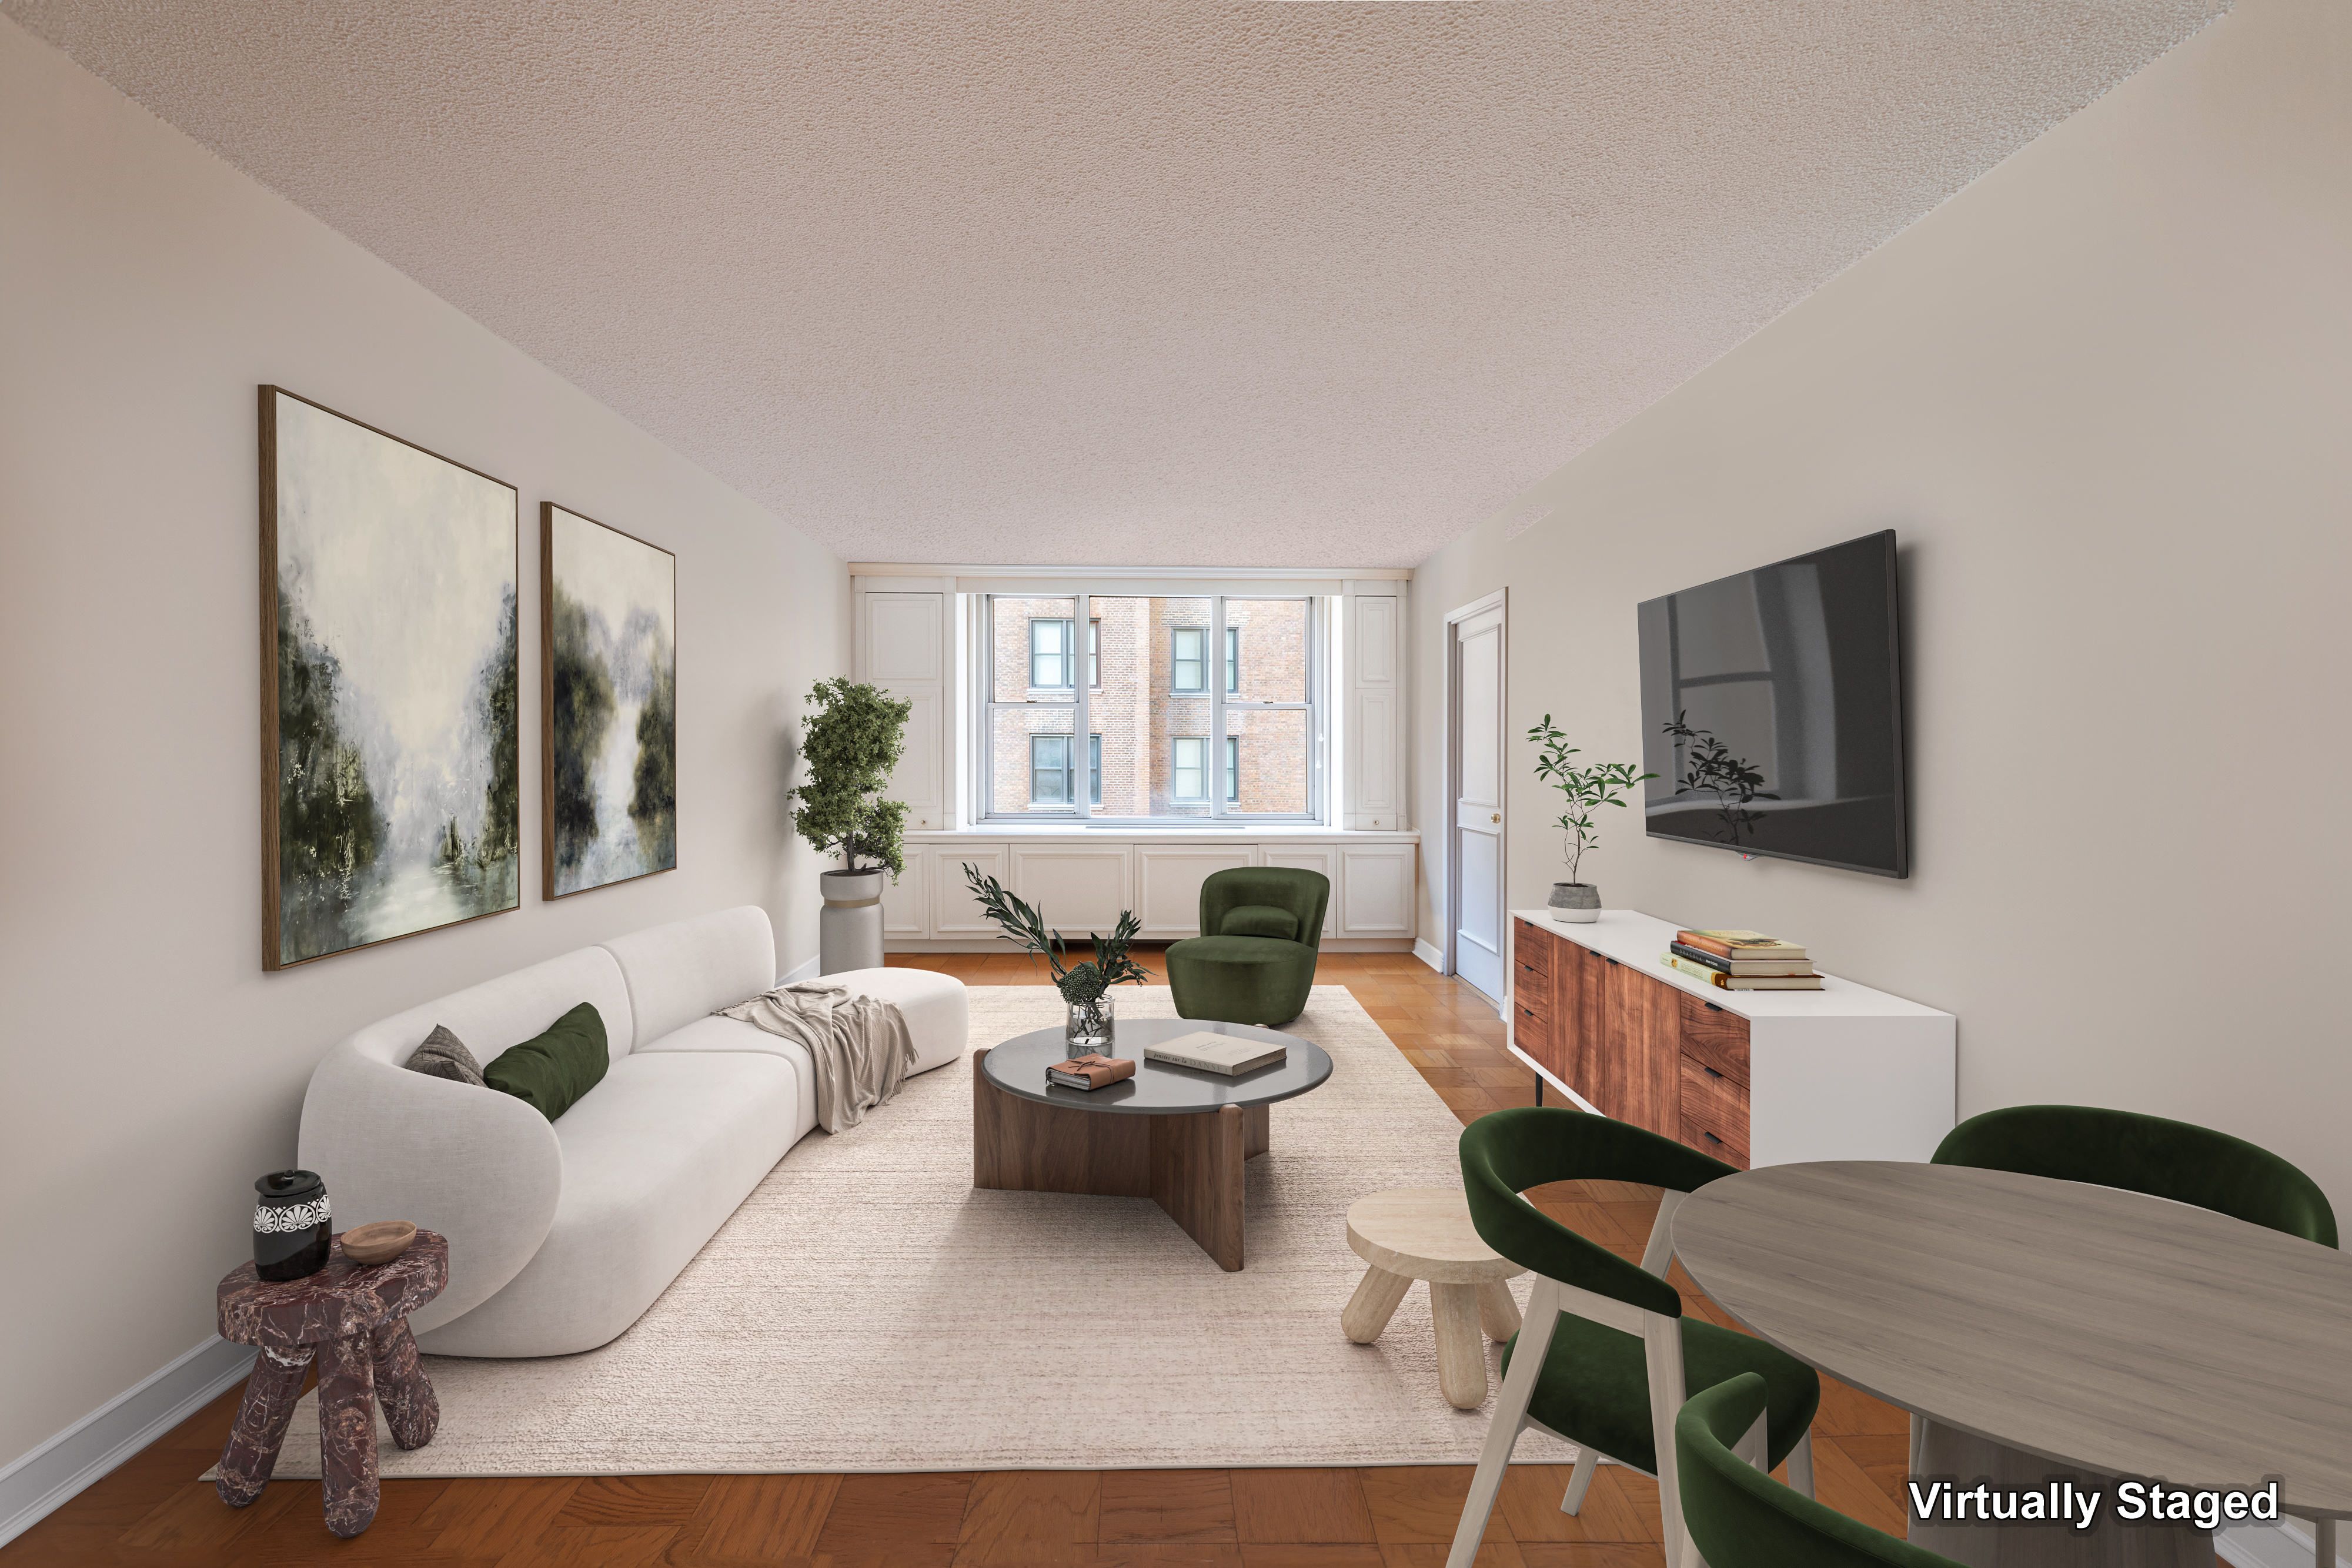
(1711, 1007)
(1710, 1072)
(1710, 1137)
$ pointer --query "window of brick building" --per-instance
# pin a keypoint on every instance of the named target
(1167, 703)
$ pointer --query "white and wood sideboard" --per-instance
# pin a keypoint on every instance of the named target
(1754, 1078)
(1082, 878)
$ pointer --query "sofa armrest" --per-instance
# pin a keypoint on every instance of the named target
(482, 1167)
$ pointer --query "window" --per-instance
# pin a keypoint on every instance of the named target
(1049, 769)
(1191, 661)
(1159, 715)
(1189, 780)
(1049, 656)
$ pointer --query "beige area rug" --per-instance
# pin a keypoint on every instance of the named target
(867, 1309)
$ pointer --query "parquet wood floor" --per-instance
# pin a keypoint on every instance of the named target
(153, 1514)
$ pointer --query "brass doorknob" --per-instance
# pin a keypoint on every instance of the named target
(1497, 816)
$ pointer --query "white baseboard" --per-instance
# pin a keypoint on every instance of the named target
(36, 1484)
(1430, 954)
(805, 970)
(2286, 1544)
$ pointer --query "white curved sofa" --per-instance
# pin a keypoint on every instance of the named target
(563, 1233)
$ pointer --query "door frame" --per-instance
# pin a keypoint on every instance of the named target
(1449, 879)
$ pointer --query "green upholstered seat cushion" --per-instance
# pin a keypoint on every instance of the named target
(1251, 952)
(1260, 920)
(552, 1072)
(1595, 1386)
(2177, 1160)
(1741, 1518)
(1241, 979)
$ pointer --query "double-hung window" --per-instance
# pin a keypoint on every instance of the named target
(1167, 704)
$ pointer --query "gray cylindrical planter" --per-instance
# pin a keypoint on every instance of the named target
(1575, 902)
(849, 931)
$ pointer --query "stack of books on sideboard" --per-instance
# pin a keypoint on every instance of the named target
(1741, 961)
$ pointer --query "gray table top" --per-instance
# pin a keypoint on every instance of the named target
(2091, 1326)
(1158, 1088)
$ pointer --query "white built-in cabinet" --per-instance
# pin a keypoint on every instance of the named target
(1168, 879)
(903, 639)
(1082, 886)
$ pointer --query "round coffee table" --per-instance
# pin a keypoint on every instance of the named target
(1174, 1134)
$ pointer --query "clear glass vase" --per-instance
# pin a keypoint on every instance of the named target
(1089, 1027)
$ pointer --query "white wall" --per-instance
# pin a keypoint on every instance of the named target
(149, 1069)
(2104, 394)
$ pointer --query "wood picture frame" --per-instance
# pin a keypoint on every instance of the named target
(608, 705)
(390, 749)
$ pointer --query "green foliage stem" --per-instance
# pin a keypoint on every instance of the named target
(1025, 929)
(852, 744)
(1602, 784)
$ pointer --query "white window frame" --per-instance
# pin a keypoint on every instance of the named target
(1223, 809)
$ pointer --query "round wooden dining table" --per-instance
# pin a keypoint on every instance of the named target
(2048, 1328)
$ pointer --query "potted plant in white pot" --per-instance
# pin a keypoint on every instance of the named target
(852, 744)
(1575, 901)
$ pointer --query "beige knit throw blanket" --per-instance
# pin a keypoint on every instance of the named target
(860, 1044)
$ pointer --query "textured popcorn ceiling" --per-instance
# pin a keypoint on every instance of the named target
(1219, 285)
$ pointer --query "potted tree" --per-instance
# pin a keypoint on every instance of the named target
(1575, 901)
(853, 743)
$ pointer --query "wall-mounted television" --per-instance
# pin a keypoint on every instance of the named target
(1772, 711)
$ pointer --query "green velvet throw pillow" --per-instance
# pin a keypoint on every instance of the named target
(551, 1072)
(1261, 920)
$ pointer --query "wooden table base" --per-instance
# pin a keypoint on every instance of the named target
(1190, 1164)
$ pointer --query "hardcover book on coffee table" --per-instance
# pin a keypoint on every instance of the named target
(1216, 1052)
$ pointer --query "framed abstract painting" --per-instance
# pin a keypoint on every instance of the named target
(391, 757)
(608, 678)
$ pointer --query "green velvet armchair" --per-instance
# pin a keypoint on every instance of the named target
(1254, 961)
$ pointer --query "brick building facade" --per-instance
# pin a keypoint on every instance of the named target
(1148, 661)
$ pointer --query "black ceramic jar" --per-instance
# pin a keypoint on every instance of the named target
(290, 1225)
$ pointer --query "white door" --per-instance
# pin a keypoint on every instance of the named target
(1477, 745)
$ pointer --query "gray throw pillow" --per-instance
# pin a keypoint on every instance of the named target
(444, 1055)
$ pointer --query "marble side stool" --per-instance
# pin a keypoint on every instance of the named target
(1424, 1233)
(355, 1318)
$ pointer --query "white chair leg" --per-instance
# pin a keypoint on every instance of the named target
(1661, 1346)
(1580, 1480)
(1800, 1464)
(1510, 1419)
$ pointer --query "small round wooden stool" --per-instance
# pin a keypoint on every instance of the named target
(1424, 1233)
(355, 1318)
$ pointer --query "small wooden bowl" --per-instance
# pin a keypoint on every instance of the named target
(381, 1242)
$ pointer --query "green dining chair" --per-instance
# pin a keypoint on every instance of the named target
(2178, 1160)
(1605, 1357)
(1739, 1517)
(1254, 961)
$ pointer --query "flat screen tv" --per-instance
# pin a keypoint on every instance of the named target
(1772, 711)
